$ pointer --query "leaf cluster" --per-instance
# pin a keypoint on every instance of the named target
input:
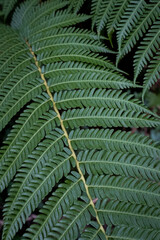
(70, 151)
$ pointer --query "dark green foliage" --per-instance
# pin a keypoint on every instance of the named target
(7, 7)
(137, 25)
(70, 110)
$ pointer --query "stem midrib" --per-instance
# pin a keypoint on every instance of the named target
(68, 140)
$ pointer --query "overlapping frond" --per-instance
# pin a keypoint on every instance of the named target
(60, 201)
(152, 73)
(101, 11)
(115, 17)
(129, 19)
(103, 162)
(98, 98)
(144, 222)
(67, 147)
(147, 48)
(36, 190)
(136, 23)
(115, 141)
(102, 117)
(147, 16)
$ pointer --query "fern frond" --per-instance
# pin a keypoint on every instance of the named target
(132, 233)
(150, 15)
(65, 40)
(37, 190)
(95, 10)
(30, 139)
(102, 117)
(129, 20)
(67, 144)
(104, 14)
(60, 19)
(34, 111)
(7, 35)
(21, 98)
(34, 164)
(143, 217)
(147, 48)
(45, 9)
(60, 201)
(114, 141)
(61, 32)
(114, 163)
(69, 54)
(22, 12)
(101, 11)
(74, 222)
(88, 79)
(124, 189)
(16, 81)
(115, 16)
(11, 52)
(98, 98)
(152, 73)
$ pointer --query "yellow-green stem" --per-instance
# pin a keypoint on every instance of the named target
(67, 137)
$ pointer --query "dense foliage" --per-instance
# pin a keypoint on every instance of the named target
(69, 153)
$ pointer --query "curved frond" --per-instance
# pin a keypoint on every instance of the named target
(152, 73)
(22, 12)
(101, 12)
(73, 223)
(102, 117)
(114, 141)
(115, 17)
(144, 224)
(114, 163)
(36, 191)
(125, 190)
(70, 154)
(129, 19)
(28, 141)
(147, 48)
(98, 98)
(59, 203)
(33, 165)
(150, 15)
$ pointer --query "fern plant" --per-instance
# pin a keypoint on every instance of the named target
(136, 24)
(70, 150)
